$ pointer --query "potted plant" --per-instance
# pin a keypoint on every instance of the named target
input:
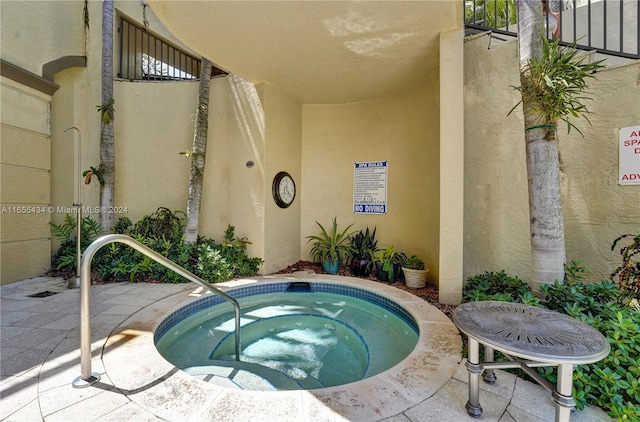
(415, 273)
(388, 263)
(363, 242)
(331, 248)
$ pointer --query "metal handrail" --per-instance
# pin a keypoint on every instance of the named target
(88, 378)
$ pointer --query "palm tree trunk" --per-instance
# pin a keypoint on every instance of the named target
(198, 155)
(107, 141)
(545, 204)
(543, 164)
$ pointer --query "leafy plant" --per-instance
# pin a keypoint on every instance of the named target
(123, 225)
(211, 265)
(390, 260)
(494, 13)
(555, 84)
(66, 255)
(575, 271)
(611, 383)
(498, 286)
(233, 251)
(231, 240)
(414, 263)
(107, 111)
(162, 232)
(362, 242)
(63, 232)
(331, 245)
(628, 273)
(93, 171)
(163, 223)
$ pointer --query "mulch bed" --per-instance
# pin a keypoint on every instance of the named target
(428, 293)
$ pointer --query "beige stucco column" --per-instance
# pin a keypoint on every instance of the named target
(451, 165)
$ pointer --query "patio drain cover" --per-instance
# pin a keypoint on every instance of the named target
(43, 294)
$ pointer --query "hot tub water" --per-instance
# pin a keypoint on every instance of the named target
(316, 339)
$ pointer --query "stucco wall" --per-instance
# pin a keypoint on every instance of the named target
(317, 144)
(25, 166)
(70, 107)
(283, 133)
(233, 191)
(155, 123)
(402, 129)
(150, 134)
(37, 32)
(496, 214)
(80, 92)
(243, 121)
(596, 208)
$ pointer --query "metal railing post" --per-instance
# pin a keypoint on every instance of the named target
(88, 378)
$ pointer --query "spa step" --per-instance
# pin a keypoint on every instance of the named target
(249, 376)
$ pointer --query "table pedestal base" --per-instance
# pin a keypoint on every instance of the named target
(561, 393)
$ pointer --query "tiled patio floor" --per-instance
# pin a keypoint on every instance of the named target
(40, 358)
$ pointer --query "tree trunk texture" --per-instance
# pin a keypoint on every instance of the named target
(198, 155)
(107, 141)
(546, 221)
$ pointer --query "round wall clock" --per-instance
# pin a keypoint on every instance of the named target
(283, 189)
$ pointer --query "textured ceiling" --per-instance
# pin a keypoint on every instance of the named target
(317, 51)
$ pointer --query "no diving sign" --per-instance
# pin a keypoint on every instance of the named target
(370, 187)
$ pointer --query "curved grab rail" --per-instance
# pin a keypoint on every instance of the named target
(88, 378)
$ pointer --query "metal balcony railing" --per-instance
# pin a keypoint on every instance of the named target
(144, 56)
(607, 26)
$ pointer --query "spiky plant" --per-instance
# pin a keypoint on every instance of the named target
(555, 85)
(331, 245)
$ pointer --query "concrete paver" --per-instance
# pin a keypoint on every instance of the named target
(40, 357)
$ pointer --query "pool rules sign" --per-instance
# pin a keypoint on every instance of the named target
(629, 156)
(370, 188)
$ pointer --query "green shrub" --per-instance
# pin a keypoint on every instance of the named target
(611, 383)
(219, 262)
(162, 224)
(627, 275)
(498, 286)
(66, 256)
(161, 231)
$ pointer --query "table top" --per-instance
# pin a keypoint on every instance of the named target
(530, 332)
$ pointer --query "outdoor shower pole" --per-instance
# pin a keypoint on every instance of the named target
(78, 204)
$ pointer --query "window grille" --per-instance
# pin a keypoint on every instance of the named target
(143, 56)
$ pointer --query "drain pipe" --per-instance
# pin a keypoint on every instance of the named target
(75, 283)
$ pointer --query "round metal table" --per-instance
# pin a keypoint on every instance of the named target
(528, 336)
